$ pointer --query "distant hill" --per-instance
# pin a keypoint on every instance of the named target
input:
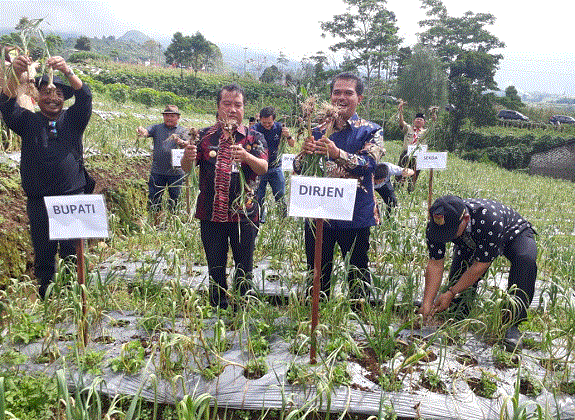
(134, 36)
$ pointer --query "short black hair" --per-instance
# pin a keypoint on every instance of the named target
(348, 76)
(252, 119)
(234, 87)
(268, 111)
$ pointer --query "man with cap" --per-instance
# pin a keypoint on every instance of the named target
(481, 230)
(412, 135)
(52, 153)
(163, 175)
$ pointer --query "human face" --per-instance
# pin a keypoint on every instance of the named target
(345, 97)
(462, 225)
(418, 122)
(50, 103)
(171, 120)
(231, 106)
(267, 122)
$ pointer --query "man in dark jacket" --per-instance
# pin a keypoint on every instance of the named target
(481, 230)
(52, 151)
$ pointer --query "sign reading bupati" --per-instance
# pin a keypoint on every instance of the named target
(77, 216)
(177, 155)
(287, 162)
(322, 198)
(431, 160)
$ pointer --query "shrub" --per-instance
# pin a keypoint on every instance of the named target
(119, 92)
(80, 56)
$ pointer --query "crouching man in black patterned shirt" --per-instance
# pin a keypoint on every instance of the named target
(481, 230)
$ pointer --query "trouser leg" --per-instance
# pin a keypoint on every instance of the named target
(522, 253)
(277, 182)
(387, 193)
(156, 187)
(326, 256)
(356, 241)
(215, 241)
(242, 241)
(174, 187)
(44, 249)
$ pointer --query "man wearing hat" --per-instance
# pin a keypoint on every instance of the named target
(412, 135)
(52, 152)
(481, 230)
(163, 174)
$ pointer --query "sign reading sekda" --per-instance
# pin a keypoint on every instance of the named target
(322, 198)
(77, 216)
(431, 160)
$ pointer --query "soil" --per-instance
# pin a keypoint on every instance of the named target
(109, 176)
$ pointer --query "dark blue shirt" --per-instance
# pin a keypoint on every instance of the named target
(361, 145)
(492, 226)
(52, 151)
(273, 137)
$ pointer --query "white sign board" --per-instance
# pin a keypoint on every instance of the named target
(287, 162)
(322, 198)
(177, 157)
(416, 148)
(77, 216)
(433, 160)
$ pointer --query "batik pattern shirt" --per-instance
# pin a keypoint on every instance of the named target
(361, 147)
(492, 226)
(220, 178)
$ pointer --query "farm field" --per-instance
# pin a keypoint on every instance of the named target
(160, 351)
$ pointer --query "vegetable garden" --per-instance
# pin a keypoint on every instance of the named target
(157, 350)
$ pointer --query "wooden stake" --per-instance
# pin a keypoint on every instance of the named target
(430, 190)
(83, 328)
(188, 206)
(315, 288)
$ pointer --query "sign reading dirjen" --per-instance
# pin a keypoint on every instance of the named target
(318, 191)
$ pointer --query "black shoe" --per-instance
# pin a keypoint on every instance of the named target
(513, 340)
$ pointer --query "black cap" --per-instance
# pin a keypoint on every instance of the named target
(420, 115)
(67, 90)
(445, 216)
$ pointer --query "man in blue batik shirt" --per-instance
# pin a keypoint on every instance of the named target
(353, 151)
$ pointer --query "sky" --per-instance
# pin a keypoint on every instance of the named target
(538, 36)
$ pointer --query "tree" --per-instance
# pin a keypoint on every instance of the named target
(464, 46)
(422, 83)
(283, 61)
(368, 33)
(83, 43)
(511, 100)
(195, 51)
(271, 74)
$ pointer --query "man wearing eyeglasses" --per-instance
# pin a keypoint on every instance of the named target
(52, 153)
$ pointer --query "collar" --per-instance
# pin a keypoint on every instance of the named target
(350, 121)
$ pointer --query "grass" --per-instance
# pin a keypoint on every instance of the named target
(182, 333)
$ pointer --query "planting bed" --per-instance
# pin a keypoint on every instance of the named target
(450, 381)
